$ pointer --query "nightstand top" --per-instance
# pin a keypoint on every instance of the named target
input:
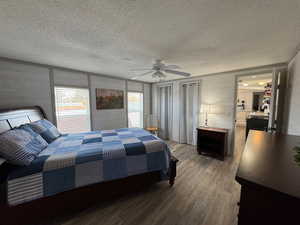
(223, 130)
(152, 128)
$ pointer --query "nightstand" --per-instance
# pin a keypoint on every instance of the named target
(212, 142)
(153, 130)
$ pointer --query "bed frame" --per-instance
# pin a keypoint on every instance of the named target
(65, 203)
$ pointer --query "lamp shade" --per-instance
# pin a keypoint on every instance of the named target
(205, 108)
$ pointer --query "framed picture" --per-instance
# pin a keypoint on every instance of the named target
(109, 99)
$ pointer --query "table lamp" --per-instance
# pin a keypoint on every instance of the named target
(206, 109)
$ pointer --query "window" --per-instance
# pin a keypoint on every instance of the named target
(72, 109)
(135, 109)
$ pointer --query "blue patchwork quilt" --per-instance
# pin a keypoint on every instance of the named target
(76, 160)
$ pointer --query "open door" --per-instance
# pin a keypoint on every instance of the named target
(277, 101)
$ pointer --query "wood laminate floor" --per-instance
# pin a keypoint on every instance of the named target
(205, 193)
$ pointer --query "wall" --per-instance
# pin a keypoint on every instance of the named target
(27, 84)
(247, 96)
(241, 115)
(293, 96)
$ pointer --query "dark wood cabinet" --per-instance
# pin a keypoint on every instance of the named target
(257, 123)
(270, 180)
(212, 142)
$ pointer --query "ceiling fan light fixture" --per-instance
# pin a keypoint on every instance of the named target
(160, 70)
(158, 74)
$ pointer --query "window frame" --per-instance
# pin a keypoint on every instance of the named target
(74, 87)
(143, 106)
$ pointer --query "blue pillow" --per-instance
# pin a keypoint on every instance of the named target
(37, 138)
(46, 129)
(20, 146)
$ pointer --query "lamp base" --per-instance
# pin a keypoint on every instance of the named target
(206, 124)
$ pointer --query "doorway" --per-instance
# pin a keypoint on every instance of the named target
(254, 94)
(259, 102)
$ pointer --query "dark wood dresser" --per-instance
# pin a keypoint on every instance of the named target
(270, 180)
(212, 142)
(257, 123)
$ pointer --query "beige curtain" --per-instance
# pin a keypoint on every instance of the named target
(189, 115)
(165, 112)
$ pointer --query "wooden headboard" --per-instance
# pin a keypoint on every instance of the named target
(10, 118)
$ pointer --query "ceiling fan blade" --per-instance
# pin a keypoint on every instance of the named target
(141, 69)
(172, 67)
(143, 74)
(178, 73)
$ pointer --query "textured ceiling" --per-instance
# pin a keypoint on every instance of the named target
(113, 36)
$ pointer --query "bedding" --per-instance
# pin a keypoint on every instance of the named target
(46, 129)
(21, 146)
(76, 160)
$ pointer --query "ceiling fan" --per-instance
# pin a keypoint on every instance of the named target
(159, 69)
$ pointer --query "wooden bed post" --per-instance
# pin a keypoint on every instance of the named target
(173, 163)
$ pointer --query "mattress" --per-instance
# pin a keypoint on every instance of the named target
(77, 160)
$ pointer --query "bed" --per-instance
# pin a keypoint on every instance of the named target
(79, 167)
